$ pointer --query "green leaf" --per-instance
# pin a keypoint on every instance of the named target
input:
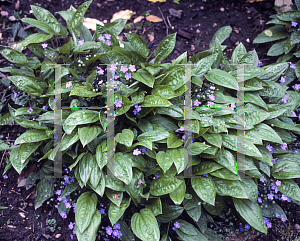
(144, 76)
(251, 212)
(87, 134)
(164, 160)
(227, 160)
(35, 38)
(173, 141)
(238, 54)
(27, 84)
(44, 16)
(32, 136)
(177, 196)
(101, 155)
(155, 101)
(66, 48)
(127, 235)
(15, 160)
(233, 188)
(44, 192)
(164, 91)
(26, 150)
(170, 212)
(153, 136)
(82, 117)
(193, 209)
(115, 212)
(250, 58)
(86, 46)
(255, 99)
(273, 72)
(14, 56)
(177, 155)
(286, 167)
(270, 34)
(214, 139)
(85, 167)
(206, 167)
(222, 78)
(290, 189)
(204, 65)
(145, 226)
(173, 111)
(31, 124)
(197, 148)
(125, 138)
(78, 15)
(6, 119)
(85, 208)
(116, 26)
(90, 233)
(84, 91)
(205, 189)
(164, 185)
(69, 189)
(123, 169)
(43, 26)
(3, 146)
(165, 47)
(155, 206)
(289, 16)
(138, 43)
(267, 133)
(220, 36)
(69, 140)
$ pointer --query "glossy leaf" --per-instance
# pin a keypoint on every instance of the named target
(154, 205)
(125, 138)
(193, 208)
(90, 233)
(88, 134)
(44, 192)
(85, 167)
(205, 189)
(32, 136)
(27, 149)
(164, 91)
(138, 43)
(177, 196)
(115, 212)
(214, 139)
(14, 56)
(164, 160)
(123, 169)
(227, 160)
(144, 76)
(164, 185)
(27, 84)
(82, 117)
(84, 91)
(170, 212)
(203, 65)
(35, 38)
(251, 212)
(145, 226)
(85, 208)
(43, 26)
(78, 15)
(165, 47)
(222, 78)
(270, 34)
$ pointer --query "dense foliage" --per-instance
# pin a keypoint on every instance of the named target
(147, 192)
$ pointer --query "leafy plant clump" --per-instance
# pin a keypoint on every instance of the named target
(153, 140)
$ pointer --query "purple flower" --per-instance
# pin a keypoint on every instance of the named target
(108, 42)
(117, 226)
(284, 146)
(289, 199)
(284, 197)
(71, 225)
(297, 86)
(296, 151)
(294, 24)
(59, 198)
(136, 152)
(123, 69)
(44, 107)
(100, 71)
(5, 176)
(144, 149)
(100, 82)
(259, 200)
(58, 192)
(63, 214)
(81, 42)
(68, 205)
(101, 38)
(72, 179)
(15, 95)
(210, 103)
(270, 148)
(270, 196)
(30, 110)
(74, 231)
(259, 63)
(241, 228)
(205, 175)
(44, 45)
(247, 226)
(275, 160)
(132, 68)
(284, 99)
(65, 200)
(108, 230)
(71, 235)
(183, 137)
(278, 183)
(263, 179)
(107, 36)
(102, 210)
(119, 234)
(135, 112)
(116, 76)
(212, 97)
(277, 215)
(196, 103)
(282, 80)
(115, 233)
(137, 107)
(177, 225)
(113, 68)
(276, 196)
(157, 175)
(283, 219)
(294, 113)
(292, 66)
(118, 103)
(127, 76)
(212, 87)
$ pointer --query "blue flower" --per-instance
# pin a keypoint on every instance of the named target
(247, 226)
(117, 226)
(102, 210)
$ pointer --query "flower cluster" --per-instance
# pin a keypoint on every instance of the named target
(137, 152)
(115, 232)
(107, 37)
(137, 109)
(102, 209)
(176, 225)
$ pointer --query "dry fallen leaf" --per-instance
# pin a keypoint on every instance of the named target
(124, 14)
(279, 3)
(138, 19)
(22, 215)
(12, 18)
(154, 1)
(24, 174)
(151, 36)
(175, 13)
(192, 47)
(90, 23)
(153, 18)
(17, 5)
(4, 13)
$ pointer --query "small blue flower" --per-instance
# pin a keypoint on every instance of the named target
(247, 226)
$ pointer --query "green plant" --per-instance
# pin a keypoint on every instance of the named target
(286, 33)
(151, 138)
(52, 225)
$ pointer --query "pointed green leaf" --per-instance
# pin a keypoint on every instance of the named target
(82, 117)
(88, 134)
(84, 91)
(123, 169)
(164, 185)
(205, 189)
(138, 43)
(43, 26)
(44, 192)
(178, 194)
(193, 208)
(164, 160)
(155, 206)
(32, 136)
(144, 76)
(79, 14)
(165, 47)
(222, 78)
(125, 138)
(27, 84)
(115, 212)
(90, 233)
(35, 38)
(290, 189)
(14, 56)
(85, 167)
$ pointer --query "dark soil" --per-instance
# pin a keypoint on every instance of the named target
(197, 25)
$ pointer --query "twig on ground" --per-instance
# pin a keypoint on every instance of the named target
(149, 28)
(2, 157)
(164, 20)
(169, 22)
